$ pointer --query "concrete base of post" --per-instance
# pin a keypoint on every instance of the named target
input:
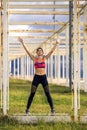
(28, 119)
(59, 117)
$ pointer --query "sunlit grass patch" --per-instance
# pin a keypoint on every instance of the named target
(62, 99)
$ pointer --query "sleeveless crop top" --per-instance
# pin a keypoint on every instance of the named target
(39, 64)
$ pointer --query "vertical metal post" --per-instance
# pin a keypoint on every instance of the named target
(22, 67)
(51, 66)
(8, 85)
(58, 54)
(14, 69)
(63, 66)
(0, 48)
(54, 15)
(31, 68)
(75, 46)
(85, 48)
(70, 43)
(27, 66)
(5, 57)
(55, 66)
(51, 69)
(67, 56)
(78, 57)
(1, 52)
(18, 67)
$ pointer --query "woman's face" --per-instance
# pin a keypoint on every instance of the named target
(39, 52)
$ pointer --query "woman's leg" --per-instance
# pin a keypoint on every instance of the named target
(30, 99)
(32, 93)
(49, 99)
(45, 85)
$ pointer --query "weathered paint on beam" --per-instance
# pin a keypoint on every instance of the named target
(38, 12)
(38, 0)
(30, 36)
(36, 6)
(50, 6)
(29, 31)
(36, 23)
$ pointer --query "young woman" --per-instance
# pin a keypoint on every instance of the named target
(40, 74)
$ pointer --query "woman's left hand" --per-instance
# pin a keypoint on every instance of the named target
(58, 41)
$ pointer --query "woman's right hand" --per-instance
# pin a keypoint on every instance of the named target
(20, 39)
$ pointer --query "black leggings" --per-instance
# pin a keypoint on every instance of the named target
(36, 81)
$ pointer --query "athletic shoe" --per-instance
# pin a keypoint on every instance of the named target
(52, 112)
(27, 112)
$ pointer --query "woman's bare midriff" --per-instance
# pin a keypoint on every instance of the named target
(40, 71)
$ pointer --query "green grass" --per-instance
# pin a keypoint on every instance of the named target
(19, 92)
(62, 99)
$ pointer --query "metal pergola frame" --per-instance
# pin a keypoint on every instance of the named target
(7, 8)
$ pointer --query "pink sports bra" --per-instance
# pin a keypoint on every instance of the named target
(39, 64)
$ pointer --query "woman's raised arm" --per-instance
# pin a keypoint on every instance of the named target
(52, 50)
(26, 48)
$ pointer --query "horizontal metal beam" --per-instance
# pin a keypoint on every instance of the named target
(36, 23)
(38, 0)
(15, 50)
(14, 47)
(41, 0)
(37, 37)
(21, 49)
(29, 36)
(39, 6)
(38, 12)
(14, 56)
(31, 31)
(27, 41)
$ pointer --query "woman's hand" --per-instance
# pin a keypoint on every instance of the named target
(20, 39)
(58, 41)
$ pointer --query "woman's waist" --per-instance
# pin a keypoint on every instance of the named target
(40, 75)
(40, 71)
